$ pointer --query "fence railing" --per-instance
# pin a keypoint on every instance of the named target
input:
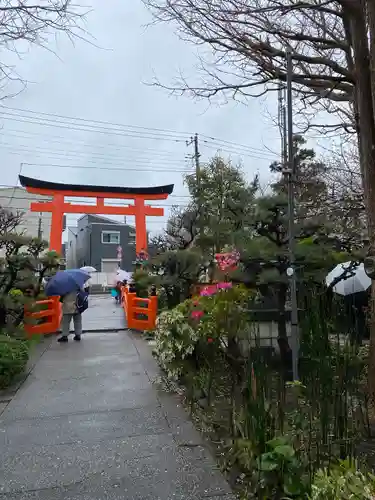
(140, 313)
(45, 318)
(106, 280)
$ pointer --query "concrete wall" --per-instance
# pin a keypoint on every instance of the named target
(18, 200)
(83, 242)
(71, 248)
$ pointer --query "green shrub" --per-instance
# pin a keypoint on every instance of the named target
(14, 354)
(142, 281)
(343, 482)
(175, 339)
(280, 471)
(198, 326)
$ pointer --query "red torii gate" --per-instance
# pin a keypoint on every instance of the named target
(58, 206)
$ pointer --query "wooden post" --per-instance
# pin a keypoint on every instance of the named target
(57, 223)
(140, 225)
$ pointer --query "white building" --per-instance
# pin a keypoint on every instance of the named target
(18, 200)
(71, 248)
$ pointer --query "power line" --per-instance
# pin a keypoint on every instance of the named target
(102, 130)
(229, 143)
(233, 150)
(116, 129)
(98, 122)
(65, 140)
(100, 156)
(48, 152)
(65, 153)
(119, 169)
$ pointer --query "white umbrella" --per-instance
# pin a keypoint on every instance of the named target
(354, 279)
(122, 275)
(88, 269)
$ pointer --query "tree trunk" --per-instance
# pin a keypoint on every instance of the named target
(3, 317)
(365, 98)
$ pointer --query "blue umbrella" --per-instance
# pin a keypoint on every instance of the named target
(65, 282)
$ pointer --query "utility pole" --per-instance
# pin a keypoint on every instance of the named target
(40, 231)
(291, 216)
(283, 125)
(195, 141)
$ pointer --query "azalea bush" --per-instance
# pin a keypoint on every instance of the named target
(175, 339)
(240, 396)
(222, 310)
(189, 334)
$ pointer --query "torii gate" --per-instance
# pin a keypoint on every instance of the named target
(58, 206)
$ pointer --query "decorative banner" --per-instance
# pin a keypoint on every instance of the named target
(227, 261)
(119, 252)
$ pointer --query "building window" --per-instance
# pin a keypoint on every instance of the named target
(111, 237)
(131, 239)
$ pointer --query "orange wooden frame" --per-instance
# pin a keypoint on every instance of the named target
(132, 308)
(58, 207)
(52, 315)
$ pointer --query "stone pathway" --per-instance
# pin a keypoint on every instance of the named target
(103, 314)
(89, 424)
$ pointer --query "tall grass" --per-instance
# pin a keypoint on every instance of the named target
(324, 415)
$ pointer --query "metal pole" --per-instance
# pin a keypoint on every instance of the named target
(198, 180)
(90, 231)
(197, 164)
(291, 215)
(40, 231)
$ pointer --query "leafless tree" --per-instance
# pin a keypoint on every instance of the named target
(345, 203)
(181, 231)
(249, 39)
(333, 49)
(9, 221)
(182, 227)
(23, 22)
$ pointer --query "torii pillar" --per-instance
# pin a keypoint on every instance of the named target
(58, 206)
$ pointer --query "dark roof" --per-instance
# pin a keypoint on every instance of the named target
(57, 186)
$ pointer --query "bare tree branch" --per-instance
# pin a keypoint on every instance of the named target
(35, 23)
(248, 40)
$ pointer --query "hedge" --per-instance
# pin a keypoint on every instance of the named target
(14, 354)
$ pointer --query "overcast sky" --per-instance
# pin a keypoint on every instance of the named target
(107, 84)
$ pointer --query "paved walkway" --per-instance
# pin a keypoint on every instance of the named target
(103, 314)
(89, 424)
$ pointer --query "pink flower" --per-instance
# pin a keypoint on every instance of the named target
(197, 314)
(210, 340)
(225, 285)
(208, 291)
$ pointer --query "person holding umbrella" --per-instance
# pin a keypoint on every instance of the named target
(350, 280)
(68, 285)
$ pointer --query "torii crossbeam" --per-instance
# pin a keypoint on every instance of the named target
(58, 206)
